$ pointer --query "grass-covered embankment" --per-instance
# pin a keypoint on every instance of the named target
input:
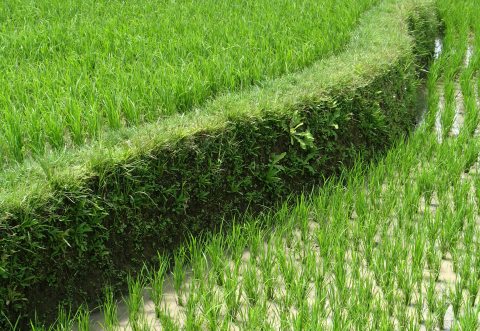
(80, 219)
(70, 70)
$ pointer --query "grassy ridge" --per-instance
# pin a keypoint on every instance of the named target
(71, 69)
(85, 218)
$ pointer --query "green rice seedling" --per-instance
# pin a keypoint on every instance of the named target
(471, 154)
(362, 207)
(469, 319)
(287, 268)
(309, 260)
(251, 283)
(361, 302)
(433, 228)
(442, 307)
(167, 322)
(283, 316)
(134, 302)
(476, 185)
(193, 318)
(387, 322)
(449, 232)
(318, 315)
(13, 327)
(199, 263)
(456, 297)
(83, 319)
(434, 261)
(156, 278)
(323, 238)
(289, 234)
(286, 298)
(430, 324)
(426, 184)
(460, 200)
(389, 202)
(412, 325)
(236, 243)
(109, 311)
(478, 79)
(418, 250)
(301, 320)
(65, 320)
(431, 295)
(355, 264)
(472, 118)
(302, 290)
(267, 270)
(465, 270)
(255, 319)
(216, 251)
(321, 287)
(431, 116)
(469, 228)
(473, 287)
(418, 279)
(256, 237)
(196, 257)
(35, 325)
(340, 320)
(232, 292)
(369, 243)
(402, 314)
(340, 273)
(302, 214)
(405, 281)
(211, 307)
(178, 274)
(377, 313)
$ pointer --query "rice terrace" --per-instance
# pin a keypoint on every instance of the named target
(239, 165)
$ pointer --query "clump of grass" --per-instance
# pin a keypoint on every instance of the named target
(178, 275)
(156, 278)
(109, 311)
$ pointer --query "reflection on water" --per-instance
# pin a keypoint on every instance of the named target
(469, 55)
(438, 47)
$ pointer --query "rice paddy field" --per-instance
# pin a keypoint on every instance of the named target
(72, 69)
(389, 245)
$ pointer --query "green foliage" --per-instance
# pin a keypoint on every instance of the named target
(121, 212)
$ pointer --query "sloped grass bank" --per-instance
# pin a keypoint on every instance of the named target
(75, 222)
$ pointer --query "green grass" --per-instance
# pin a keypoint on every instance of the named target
(138, 188)
(70, 69)
(386, 246)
